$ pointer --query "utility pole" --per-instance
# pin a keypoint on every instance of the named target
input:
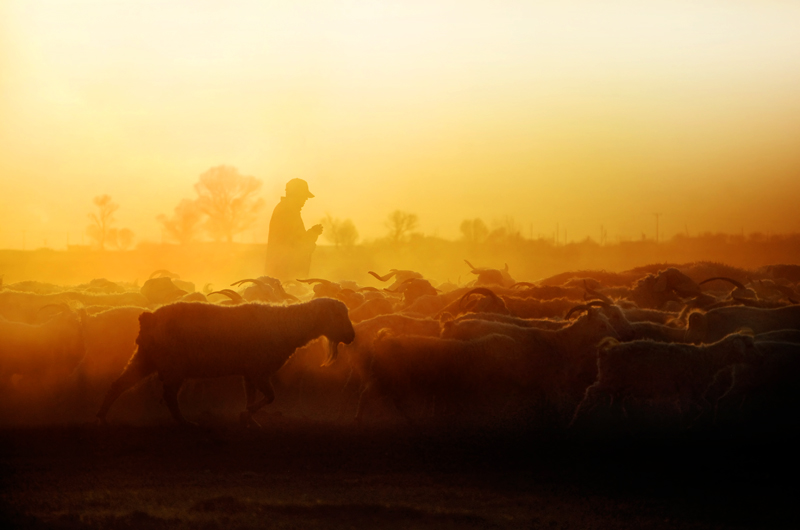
(657, 216)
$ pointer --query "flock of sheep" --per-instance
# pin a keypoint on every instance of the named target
(659, 348)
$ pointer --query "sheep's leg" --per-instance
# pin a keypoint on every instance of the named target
(265, 387)
(171, 399)
(590, 398)
(366, 394)
(246, 417)
(138, 368)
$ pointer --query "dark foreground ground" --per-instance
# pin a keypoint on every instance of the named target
(312, 475)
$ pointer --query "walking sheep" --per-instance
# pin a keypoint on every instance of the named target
(196, 340)
(656, 373)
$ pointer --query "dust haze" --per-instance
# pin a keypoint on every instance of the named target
(556, 246)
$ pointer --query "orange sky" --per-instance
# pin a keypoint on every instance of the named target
(577, 113)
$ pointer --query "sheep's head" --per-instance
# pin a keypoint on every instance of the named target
(592, 326)
(488, 276)
(696, 328)
(351, 298)
(413, 288)
(486, 302)
(674, 280)
(616, 318)
(739, 292)
(161, 290)
(323, 288)
(335, 322)
(653, 291)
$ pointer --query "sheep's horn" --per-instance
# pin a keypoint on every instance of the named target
(384, 278)
(257, 282)
(314, 280)
(233, 295)
(582, 307)
(736, 284)
(163, 272)
(61, 305)
(371, 289)
(523, 284)
(478, 290)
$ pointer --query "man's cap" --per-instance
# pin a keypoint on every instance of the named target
(298, 188)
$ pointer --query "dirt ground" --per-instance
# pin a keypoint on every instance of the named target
(307, 474)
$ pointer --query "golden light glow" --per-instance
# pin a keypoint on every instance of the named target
(583, 114)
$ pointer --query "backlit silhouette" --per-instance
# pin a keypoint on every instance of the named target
(290, 245)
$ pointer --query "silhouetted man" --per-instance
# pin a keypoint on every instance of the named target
(290, 245)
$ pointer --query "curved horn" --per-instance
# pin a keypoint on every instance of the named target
(384, 278)
(733, 282)
(233, 295)
(251, 280)
(582, 307)
(478, 290)
(314, 280)
(61, 305)
(523, 284)
(163, 272)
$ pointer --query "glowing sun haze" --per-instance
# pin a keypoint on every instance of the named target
(577, 113)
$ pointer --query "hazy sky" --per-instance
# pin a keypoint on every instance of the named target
(577, 113)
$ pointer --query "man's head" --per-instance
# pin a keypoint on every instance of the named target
(298, 189)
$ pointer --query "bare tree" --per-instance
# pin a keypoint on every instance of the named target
(229, 200)
(100, 229)
(506, 230)
(342, 233)
(184, 225)
(474, 230)
(400, 224)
